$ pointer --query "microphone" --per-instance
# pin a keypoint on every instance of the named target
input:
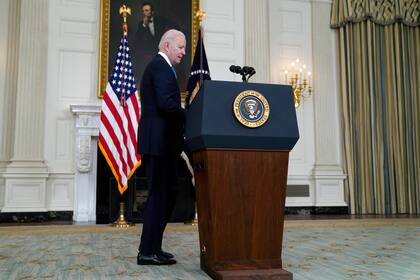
(247, 70)
(250, 71)
(243, 71)
(235, 69)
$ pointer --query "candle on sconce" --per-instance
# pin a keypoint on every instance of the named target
(297, 63)
(298, 76)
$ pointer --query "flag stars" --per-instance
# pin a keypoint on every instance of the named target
(122, 77)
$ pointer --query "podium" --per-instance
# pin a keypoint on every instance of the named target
(240, 167)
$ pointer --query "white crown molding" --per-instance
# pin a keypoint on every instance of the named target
(311, 1)
(322, 1)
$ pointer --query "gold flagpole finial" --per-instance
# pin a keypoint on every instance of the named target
(125, 12)
(200, 15)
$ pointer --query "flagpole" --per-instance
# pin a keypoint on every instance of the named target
(125, 12)
(201, 55)
(201, 15)
(121, 221)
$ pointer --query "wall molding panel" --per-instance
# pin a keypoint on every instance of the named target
(77, 29)
(60, 192)
(223, 30)
(72, 72)
(70, 80)
(25, 193)
(290, 38)
(328, 170)
(300, 29)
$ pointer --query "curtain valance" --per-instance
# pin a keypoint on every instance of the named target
(382, 12)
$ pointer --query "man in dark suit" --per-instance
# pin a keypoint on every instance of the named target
(160, 139)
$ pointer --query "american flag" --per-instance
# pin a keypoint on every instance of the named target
(120, 117)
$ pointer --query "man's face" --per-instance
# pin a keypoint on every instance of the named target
(147, 11)
(176, 49)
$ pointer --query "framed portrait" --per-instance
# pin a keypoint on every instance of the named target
(144, 33)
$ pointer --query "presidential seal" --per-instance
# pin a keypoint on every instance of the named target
(251, 108)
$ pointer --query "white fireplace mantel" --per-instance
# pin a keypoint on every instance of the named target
(87, 120)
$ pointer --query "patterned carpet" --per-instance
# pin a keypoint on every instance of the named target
(334, 249)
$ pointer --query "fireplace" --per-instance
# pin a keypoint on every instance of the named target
(96, 197)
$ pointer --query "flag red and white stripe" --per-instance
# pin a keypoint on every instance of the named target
(120, 117)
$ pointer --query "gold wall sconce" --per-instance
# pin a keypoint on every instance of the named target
(300, 79)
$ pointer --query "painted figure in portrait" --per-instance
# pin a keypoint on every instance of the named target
(148, 21)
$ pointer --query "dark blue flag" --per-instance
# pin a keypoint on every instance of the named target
(199, 70)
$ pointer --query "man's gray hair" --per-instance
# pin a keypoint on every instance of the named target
(169, 36)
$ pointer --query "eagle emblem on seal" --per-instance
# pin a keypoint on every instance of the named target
(251, 108)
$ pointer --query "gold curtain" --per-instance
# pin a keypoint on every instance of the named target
(379, 66)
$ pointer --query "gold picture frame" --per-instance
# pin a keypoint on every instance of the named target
(109, 36)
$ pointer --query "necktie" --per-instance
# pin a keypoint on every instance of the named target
(173, 70)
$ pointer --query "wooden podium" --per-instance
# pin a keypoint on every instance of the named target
(241, 176)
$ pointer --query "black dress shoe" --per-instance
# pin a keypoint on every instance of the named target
(154, 260)
(164, 254)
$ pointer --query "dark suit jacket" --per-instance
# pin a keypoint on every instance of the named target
(162, 117)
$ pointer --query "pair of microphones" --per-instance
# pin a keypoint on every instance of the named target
(246, 71)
